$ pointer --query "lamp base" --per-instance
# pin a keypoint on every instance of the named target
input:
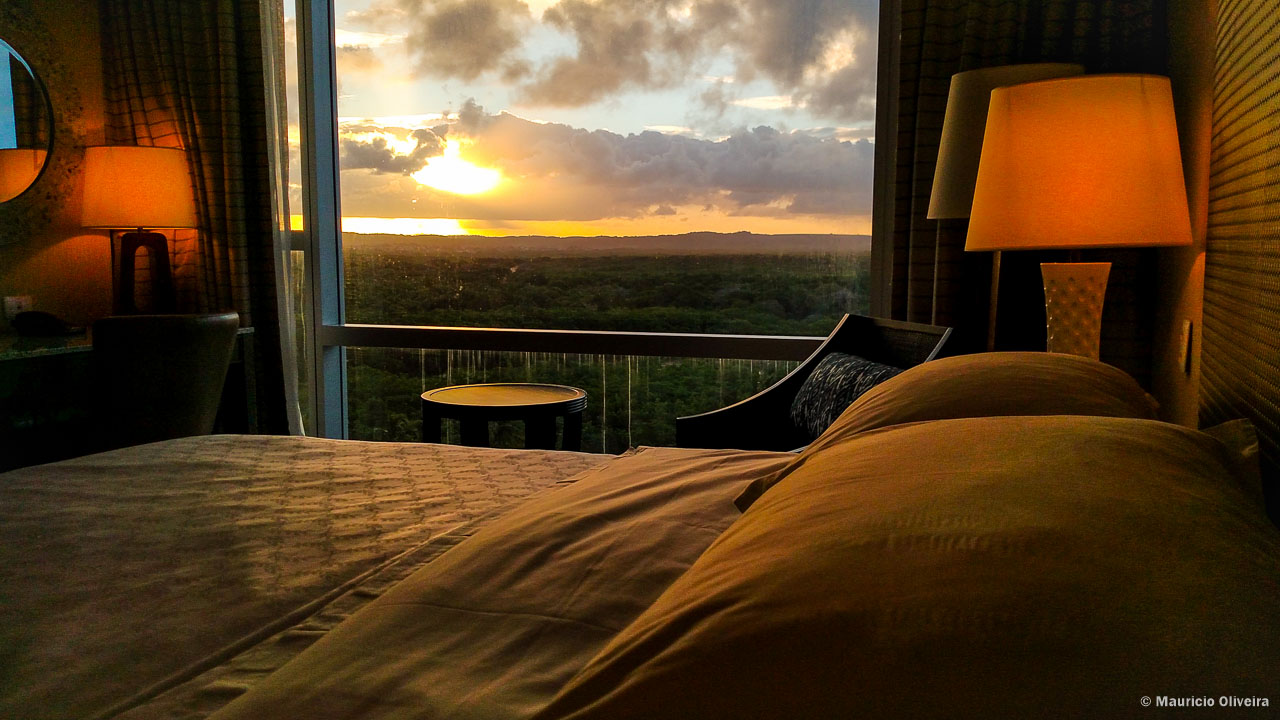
(1073, 295)
(162, 296)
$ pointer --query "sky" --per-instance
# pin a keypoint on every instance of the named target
(606, 117)
(8, 121)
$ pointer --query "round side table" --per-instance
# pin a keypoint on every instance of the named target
(475, 406)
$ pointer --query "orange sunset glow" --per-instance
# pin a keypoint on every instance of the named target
(451, 173)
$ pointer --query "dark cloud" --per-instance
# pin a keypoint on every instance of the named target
(471, 118)
(619, 45)
(790, 40)
(821, 53)
(847, 92)
(455, 38)
(375, 154)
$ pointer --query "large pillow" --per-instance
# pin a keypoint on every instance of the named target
(983, 385)
(1049, 567)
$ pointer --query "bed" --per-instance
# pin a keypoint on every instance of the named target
(966, 540)
(129, 572)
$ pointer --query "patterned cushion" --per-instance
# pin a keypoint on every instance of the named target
(837, 381)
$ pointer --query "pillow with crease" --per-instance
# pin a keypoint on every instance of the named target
(980, 385)
(967, 568)
(835, 383)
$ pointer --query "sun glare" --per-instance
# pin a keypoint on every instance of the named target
(402, 226)
(450, 173)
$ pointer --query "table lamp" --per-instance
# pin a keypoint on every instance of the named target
(134, 188)
(1074, 163)
(19, 167)
(961, 146)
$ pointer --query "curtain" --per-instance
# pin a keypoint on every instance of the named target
(28, 107)
(932, 279)
(192, 74)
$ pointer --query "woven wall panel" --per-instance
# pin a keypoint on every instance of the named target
(1240, 363)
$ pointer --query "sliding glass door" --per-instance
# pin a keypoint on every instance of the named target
(690, 171)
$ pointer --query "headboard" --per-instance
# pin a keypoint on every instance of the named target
(1240, 361)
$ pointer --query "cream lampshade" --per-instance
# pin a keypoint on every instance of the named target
(963, 127)
(135, 188)
(961, 147)
(1082, 162)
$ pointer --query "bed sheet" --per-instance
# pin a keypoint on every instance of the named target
(493, 628)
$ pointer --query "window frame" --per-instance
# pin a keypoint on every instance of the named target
(321, 244)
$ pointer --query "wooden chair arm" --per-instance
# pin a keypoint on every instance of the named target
(763, 421)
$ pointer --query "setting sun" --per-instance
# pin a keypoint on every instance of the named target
(450, 173)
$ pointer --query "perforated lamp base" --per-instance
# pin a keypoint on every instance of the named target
(1073, 295)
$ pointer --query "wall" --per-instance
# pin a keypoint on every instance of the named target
(1180, 288)
(1241, 358)
(63, 267)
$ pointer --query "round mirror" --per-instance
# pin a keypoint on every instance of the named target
(26, 124)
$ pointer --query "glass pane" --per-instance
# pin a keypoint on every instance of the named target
(291, 94)
(672, 165)
(302, 336)
(631, 401)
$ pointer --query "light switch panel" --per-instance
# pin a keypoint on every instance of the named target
(15, 304)
(1184, 348)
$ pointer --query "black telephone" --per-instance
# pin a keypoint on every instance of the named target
(38, 323)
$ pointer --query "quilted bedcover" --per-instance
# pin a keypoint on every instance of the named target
(125, 573)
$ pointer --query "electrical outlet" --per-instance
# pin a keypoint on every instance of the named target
(15, 304)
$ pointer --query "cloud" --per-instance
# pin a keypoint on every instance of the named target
(558, 172)
(368, 147)
(818, 54)
(847, 93)
(461, 39)
(358, 58)
(822, 50)
(620, 45)
(855, 133)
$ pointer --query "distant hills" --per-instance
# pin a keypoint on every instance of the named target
(694, 243)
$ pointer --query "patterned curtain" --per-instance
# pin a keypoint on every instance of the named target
(191, 74)
(933, 279)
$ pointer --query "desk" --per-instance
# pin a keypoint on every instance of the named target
(44, 406)
(17, 347)
(45, 383)
(474, 406)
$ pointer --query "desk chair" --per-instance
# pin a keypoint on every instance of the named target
(159, 376)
